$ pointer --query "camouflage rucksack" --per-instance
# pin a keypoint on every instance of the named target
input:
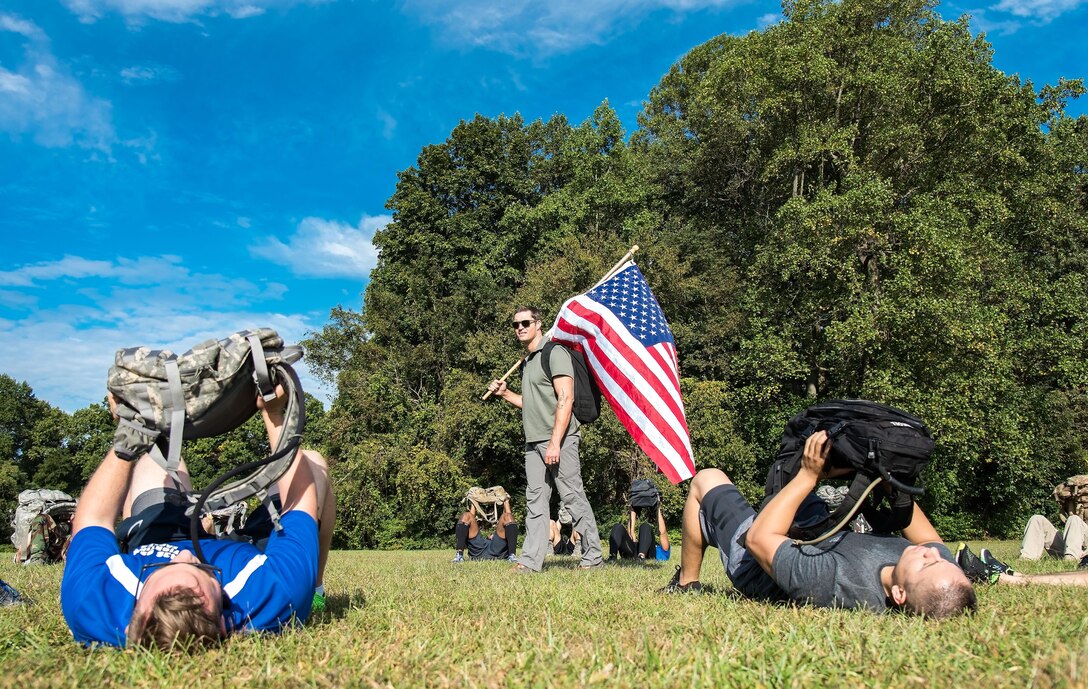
(163, 399)
(42, 526)
(1072, 495)
(492, 497)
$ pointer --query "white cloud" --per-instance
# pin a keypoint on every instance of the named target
(327, 248)
(64, 351)
(20, 26)
(768, 19)
(389, 124)
(528, 27)
(176, 11)
(148, 73)
(1040, 10)
(41, 99)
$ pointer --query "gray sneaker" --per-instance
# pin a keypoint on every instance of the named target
(459, 557)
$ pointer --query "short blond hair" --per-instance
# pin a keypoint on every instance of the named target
(177, 620)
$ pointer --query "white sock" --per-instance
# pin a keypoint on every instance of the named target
(320, 590)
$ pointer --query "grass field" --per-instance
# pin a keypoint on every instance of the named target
(407, 619)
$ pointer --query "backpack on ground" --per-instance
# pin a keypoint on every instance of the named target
(587, 396)
(42, 526)
(487, 502)
(643, 493)
(877, 443)
(163, 399)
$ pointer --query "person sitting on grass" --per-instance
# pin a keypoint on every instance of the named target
(142, 586)
(915, 573)
(624, 543)
(501, 545)
(563, 544)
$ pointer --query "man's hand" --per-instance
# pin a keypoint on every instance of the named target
(275, 407)
(551, 455)
(817, 448)
(497, 387)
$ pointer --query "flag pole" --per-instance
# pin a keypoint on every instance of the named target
(619, 264)
(610, 273)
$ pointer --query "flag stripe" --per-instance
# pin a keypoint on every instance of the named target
(623, 391)
(642, 360)
(620, 330)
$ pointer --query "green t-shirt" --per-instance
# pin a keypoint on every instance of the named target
(538, 396)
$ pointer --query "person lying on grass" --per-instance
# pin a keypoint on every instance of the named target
(916, 573)
(141, 584)
(501, 545)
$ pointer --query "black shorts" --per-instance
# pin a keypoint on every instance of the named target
(158, 516)
(725, 517)
(481, 548)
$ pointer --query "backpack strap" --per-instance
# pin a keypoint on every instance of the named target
(175, 403)
(260, 370)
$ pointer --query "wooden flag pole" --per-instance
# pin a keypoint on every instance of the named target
(610, 273)
(505, 376)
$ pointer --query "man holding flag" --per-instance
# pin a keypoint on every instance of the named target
(552, 437)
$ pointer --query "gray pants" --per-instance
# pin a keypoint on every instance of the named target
(567, 477)
(1040, 534)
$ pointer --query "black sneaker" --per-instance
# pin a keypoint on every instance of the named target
(674, 585)
(993, 563)
(1083, 564)
(975, 569)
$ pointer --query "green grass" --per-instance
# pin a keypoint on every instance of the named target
(406, 619)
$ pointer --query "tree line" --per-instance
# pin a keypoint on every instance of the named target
(851, 203)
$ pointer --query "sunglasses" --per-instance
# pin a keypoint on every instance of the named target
(518, 325)
(147, 570)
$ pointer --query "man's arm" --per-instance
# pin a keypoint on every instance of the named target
(772, 524)
(297, 485)
(101, 501)
(564, 406)
(662, 532)
(920, 530)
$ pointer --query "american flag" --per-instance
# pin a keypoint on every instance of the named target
(620, 329)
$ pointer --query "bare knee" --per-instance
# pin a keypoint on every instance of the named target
(705, 480)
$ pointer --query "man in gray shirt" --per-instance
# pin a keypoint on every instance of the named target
(849, 570)
(551, 444)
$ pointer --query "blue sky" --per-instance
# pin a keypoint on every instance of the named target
(174, 170)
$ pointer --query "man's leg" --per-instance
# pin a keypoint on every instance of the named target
(620, 544)
(645, 541)
(148, 475)
(1039, 534)
(1073, 536)
(538, 495)
(1077, 578)
(326, 511)
(693, 545)
(568, 480)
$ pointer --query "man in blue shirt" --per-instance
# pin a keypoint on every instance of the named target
(151, 590)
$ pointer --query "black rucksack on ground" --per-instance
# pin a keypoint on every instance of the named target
(873, 440)
(587, 396)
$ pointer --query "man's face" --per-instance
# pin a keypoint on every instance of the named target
(182, 574)
(525, 326)
(921, 564)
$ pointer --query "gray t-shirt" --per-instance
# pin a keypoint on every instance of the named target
(538, 396)
(841, 572)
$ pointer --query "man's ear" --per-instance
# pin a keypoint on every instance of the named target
(899, 594)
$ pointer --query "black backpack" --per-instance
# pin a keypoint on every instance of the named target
(643, 493)
(873, 440)
(587, 396)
